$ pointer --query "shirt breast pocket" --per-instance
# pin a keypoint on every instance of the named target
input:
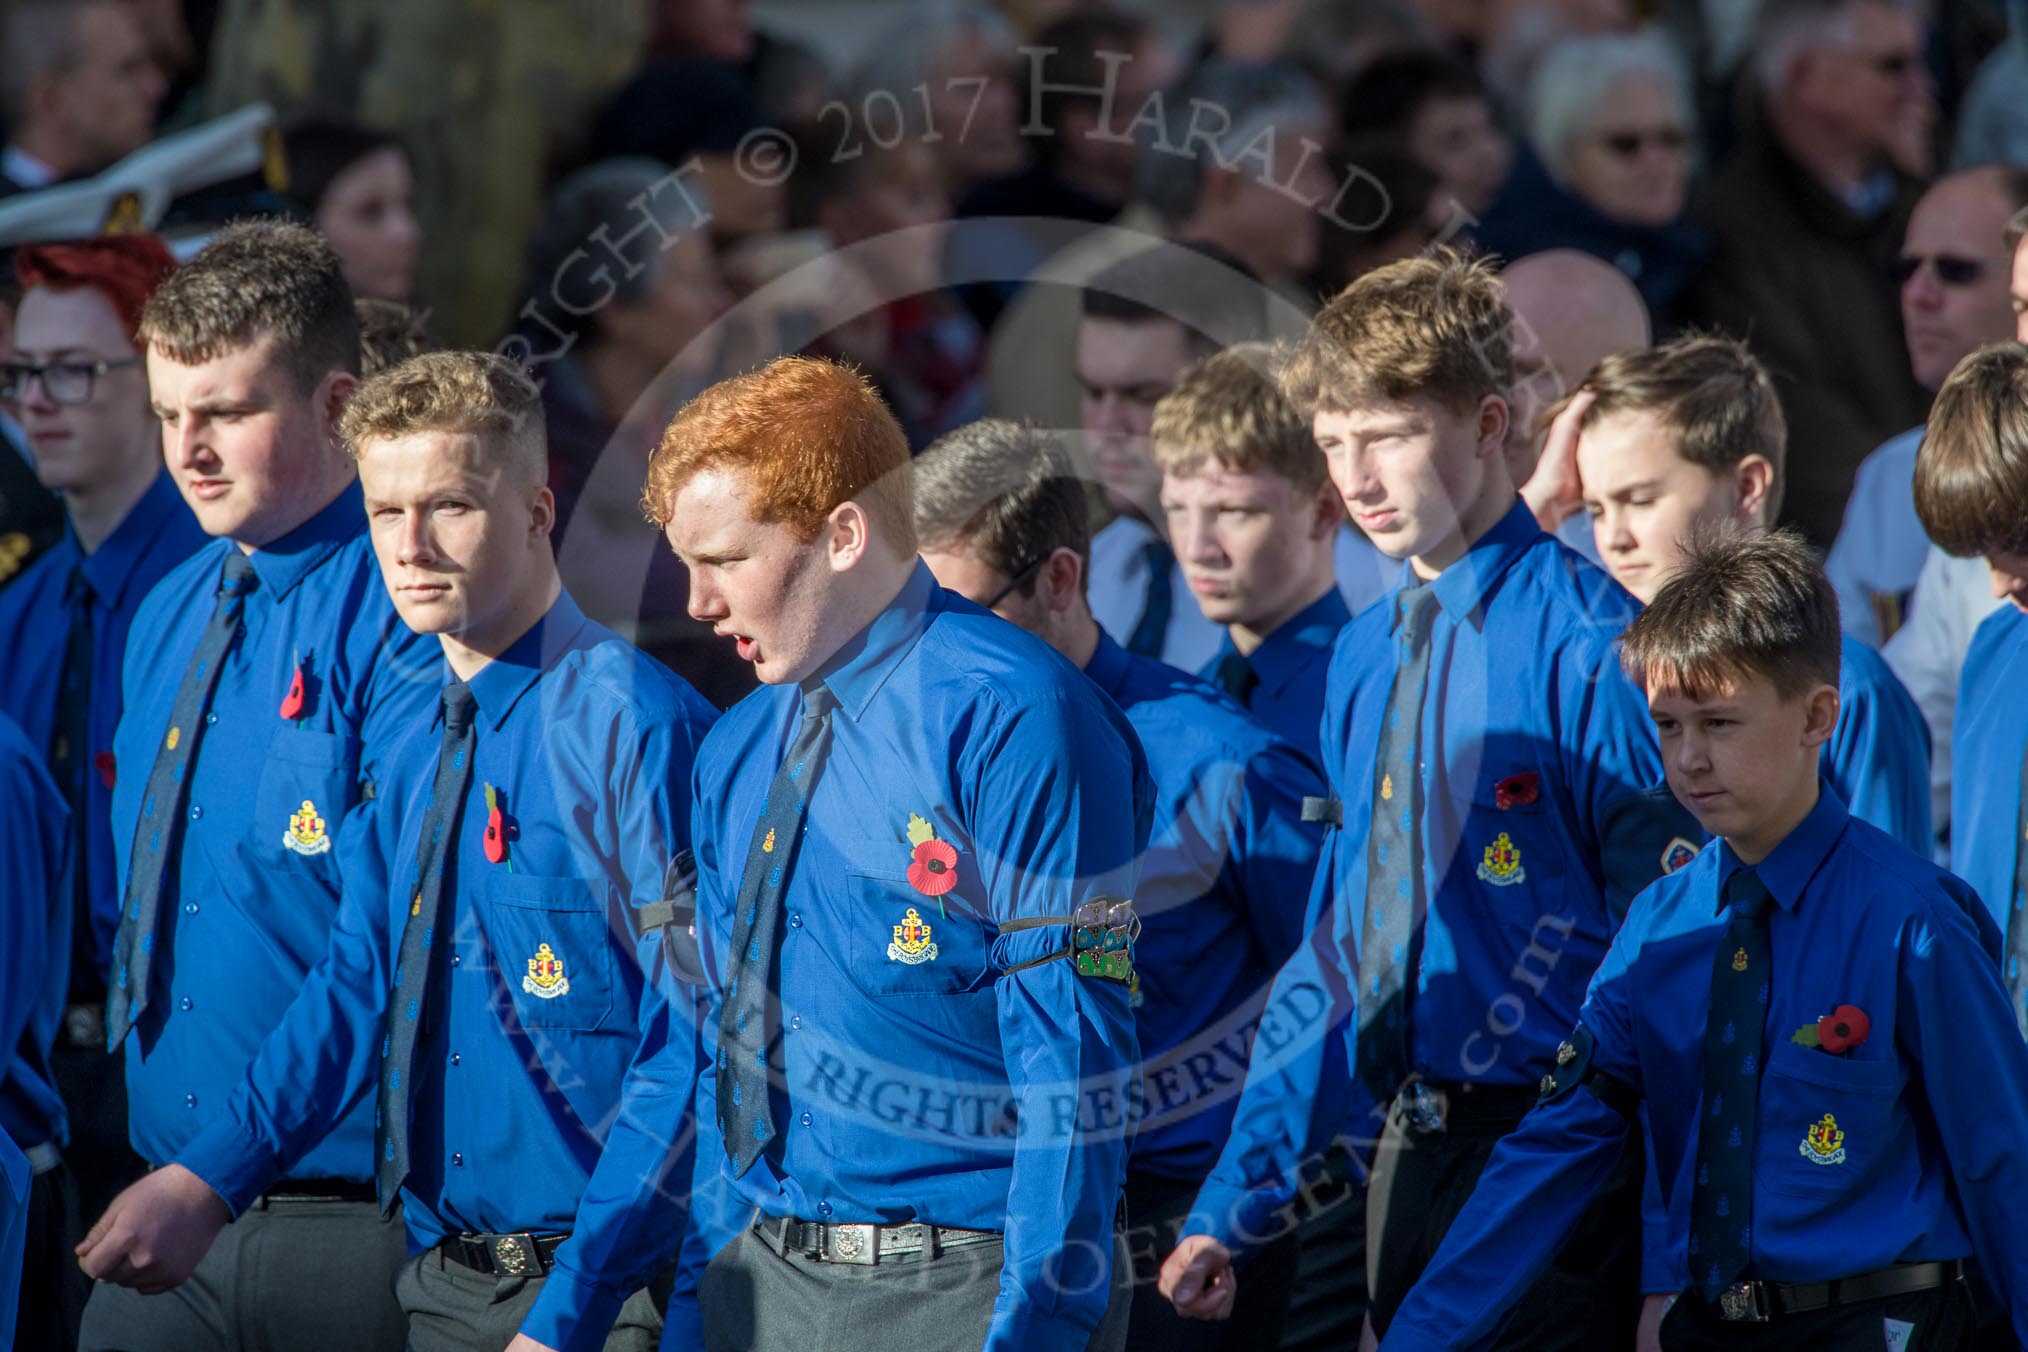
(306, 785)
(904, 944)
(1511, 845)
(1823, 1120)
(552, 946)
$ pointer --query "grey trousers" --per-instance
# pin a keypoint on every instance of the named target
(288, 1276)
(757, 1300)
(454, 1309)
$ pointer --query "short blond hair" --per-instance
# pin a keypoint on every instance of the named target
(1228, 412)
(477, 394)
(1436, 326)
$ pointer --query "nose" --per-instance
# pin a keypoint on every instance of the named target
(416, 546)
(1922, 291)
(35, 393)
(1193, 537)
(182, 445)
(1612, 532)
(705, 603)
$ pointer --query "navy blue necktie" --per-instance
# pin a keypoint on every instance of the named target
(1152, 629)
(748, 1024)
(1236, 676)
(2017, 914)
(69, 762)
(1721, 1207)
(1395, 888)
(155, 836)
(408, 1001)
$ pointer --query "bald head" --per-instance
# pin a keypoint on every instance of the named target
(1571, 311)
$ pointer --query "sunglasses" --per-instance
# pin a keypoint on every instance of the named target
(1627, 144)
(1951, 269)
(1894, 65)
(65, 382)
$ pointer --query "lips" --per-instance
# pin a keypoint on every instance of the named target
(209, 490)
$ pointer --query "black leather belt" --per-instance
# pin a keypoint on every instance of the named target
(516, 1255)
(1436, 1105)
(865, 1245)
(1763, 1302)
(320, 1190)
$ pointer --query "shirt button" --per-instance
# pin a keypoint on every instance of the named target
(458, 1160)
(796, 1021)
(454, 960)
(806, 1119)
(209, 719)
(190, 908)
(190, 1100)
(796, 921)
(455, 1058)
(823, 1208)
(186, 1004)
(195, 812)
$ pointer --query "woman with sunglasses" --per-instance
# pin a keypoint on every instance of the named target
(1610, 146)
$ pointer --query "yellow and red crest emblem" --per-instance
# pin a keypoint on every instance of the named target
(306, 829)
(545, 979)
(1825, 1142)
(912, 940)
(1501, 865)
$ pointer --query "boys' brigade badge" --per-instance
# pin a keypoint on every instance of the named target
(1102, 938)
(1502, 863)
(306, 831)
(1676, 854)
(545, 979)
(912, 941)
(1824, 1143)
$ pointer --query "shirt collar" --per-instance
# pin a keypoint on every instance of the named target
(25, 169)
(1791, 865)
(111, 567)
(1284, 654)
(1461, 588)
(1108, 666)
(858, 670)
(499, 685)
(281, 565)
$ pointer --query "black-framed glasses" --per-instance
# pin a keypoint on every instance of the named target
(1627, 144)
(65, 382)
(1018, 581)
(1951, 269)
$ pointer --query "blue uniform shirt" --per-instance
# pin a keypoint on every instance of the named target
(1878, 756)
(34, 923)
(1987, 749)
(1930, 1110)
(1525, 690)
(908, 1073)
(1291, 664)
(252, 888)
(1222, 896)
(153, 538)
(586, 746)
(1874, 562)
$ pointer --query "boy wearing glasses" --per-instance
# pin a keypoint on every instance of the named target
(1952, 271)
(76, 384)
(1001, 519)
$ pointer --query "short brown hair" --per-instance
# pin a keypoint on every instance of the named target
(1435, 326)
(1743, 604)
(390, 332)
(813, 433)
(1713, 395)
(259, 279)
(1006, 491)
(1971, 475)
(476, 394)
(1229, 410)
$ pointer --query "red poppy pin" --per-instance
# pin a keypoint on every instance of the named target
(496, 831)
(933, 866)
(1837, 1032)
(1517, 790)
(293, 703)
(103, 763)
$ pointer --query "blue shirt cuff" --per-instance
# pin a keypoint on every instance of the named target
(1242, 1219)
(232, 1162)
(572, 1314)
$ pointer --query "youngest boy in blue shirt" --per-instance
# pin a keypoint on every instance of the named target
(1812, 1014)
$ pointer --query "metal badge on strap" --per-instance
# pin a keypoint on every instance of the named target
(676, 916)
(1329, 811)
(1100, 939)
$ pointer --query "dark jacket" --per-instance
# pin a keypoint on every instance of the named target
(1534, 212)
(1808, 283)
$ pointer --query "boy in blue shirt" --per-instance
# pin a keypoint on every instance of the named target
(1811, 1014)
(1691, 434)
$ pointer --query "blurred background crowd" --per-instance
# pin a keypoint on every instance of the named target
(635, 196)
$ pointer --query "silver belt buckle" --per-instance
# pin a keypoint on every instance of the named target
(1740, 1303)
(84, 1026)
(852, 1243)
(1422, 1106)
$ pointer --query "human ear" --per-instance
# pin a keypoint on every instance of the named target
(1061, 578)
(1327, 511)
(1493, 418)
(1820, 715)
(849, 536)
(1753, 482)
